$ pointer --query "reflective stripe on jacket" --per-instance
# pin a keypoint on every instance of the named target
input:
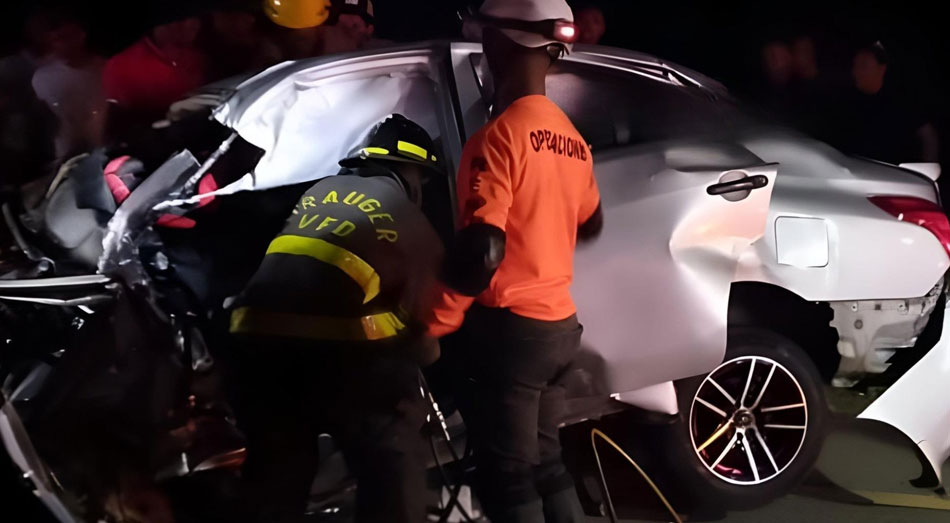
(354, 262)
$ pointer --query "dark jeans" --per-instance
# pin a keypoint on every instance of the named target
(513, 405)
(369, 402)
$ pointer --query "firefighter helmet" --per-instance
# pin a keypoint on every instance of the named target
(397, 139)
(297, 14)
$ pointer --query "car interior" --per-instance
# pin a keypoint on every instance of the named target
(214, 258)
(604, 103)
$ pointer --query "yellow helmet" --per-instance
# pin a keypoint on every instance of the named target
(297, 14)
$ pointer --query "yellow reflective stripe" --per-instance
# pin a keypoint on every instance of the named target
(412, 149)
(373, 150)
(354, 266)
(381, 326)
(249, 320)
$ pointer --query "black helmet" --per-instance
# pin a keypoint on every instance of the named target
(397, 139)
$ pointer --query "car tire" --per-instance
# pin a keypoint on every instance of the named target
(743, 453)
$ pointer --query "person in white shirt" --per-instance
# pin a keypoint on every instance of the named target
(26, 125)
(71, 85)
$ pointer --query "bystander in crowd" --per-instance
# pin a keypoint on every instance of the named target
(591, 24)
(235, 40)
(777, 73)
(70, 83)
(351, 29)
(26, 124)
(159, 69)
(879, 121)
(809, 95)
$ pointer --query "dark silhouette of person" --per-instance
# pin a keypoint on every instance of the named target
(880, 122)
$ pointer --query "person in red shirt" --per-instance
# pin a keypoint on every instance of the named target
(526, 193)
(145, 79)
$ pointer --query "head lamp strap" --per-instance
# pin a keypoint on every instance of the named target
(563, 31)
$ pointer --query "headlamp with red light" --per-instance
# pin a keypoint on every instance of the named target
(563, 31)
(560, 33)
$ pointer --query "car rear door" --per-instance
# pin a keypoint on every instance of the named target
(653, 290)
(681, 207)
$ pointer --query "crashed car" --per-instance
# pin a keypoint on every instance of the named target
(743, 269)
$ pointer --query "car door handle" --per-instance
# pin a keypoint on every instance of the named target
(750, 183)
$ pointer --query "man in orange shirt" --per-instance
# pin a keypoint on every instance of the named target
(526, 192)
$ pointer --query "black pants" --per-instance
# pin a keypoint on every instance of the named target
(514, 403)
(369, 402)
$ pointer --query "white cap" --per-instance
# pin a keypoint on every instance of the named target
(529, 11)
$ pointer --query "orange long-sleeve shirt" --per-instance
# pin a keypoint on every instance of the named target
(530, 173)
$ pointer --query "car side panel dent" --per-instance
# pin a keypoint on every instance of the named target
(653, 290)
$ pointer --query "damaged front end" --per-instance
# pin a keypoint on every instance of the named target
(108, 386)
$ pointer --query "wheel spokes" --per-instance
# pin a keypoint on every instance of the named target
(712, 407)
(764, 386)
(729, 446)
(722, 390)
(748, 453)
(786, 414)
(716, 435)
(748, 382)
(765, 448)
(783, 407)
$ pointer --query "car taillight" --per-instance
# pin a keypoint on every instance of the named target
(918, 211)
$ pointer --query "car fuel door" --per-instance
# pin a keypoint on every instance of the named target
(653, 290)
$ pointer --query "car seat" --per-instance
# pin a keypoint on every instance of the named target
(70, 222)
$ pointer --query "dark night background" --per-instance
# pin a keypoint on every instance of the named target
(720, 39)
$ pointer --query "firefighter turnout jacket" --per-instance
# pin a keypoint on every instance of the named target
(354, 262)
(528, 172)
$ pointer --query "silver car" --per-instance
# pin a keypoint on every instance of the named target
(744, 270)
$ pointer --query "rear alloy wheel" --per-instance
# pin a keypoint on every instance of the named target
(752, 428)
(751, 436)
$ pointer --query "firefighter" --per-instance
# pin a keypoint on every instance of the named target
(328, 325)
(526, 193)
(298, 14)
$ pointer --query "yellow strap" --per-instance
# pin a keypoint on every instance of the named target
(374, 150)
(413, 150)
(354, 266)
(249, 320)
